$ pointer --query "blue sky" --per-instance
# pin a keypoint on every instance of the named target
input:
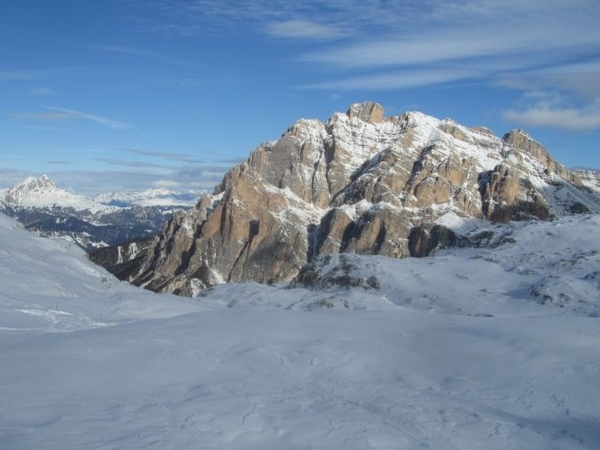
(127, 94)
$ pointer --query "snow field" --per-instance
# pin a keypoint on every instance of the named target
(276, 378)
(450, 352)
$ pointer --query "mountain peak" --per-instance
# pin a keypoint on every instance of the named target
(42, 192)
(360, 183)
(29, 188)
(43, 182)
(366, 111)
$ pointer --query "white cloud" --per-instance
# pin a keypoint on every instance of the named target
(62, 113)
(131, 51)
(302, 29)
(42, 91)
(66, 114)
(173, 156)
(23, 75)
(93, 182)
(563, 118)
(551, 109)
(395, 80)
(410, 50)
(516, 44)
(167, 184)
(580, 78)
(12, 75)
(529, 39)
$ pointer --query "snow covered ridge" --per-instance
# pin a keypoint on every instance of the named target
(106, 220)
(449, 352)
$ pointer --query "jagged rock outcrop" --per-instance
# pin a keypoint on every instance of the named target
(360, 182)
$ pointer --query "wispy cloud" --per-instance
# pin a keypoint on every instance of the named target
(10, 177)
(42, 91)
(302, 29)
(49, 116)
(186, 82)
(579, 77)
(210, 78)
(395, 80)
(409, 35)
(565, 97)
(375, 45)
(93, 182)
(171, 156)
(22, 75)
(127, 163)
(132, 51)
(568, 118)
(66, 114)
(125, 50)
(274, 17)
(128, 177)
(12, 75)
(474, 30)
(551, 109)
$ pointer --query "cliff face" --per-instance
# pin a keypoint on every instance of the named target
(360, 183)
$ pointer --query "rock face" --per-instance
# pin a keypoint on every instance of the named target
(360, 183)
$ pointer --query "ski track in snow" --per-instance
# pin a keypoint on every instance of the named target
(89, 362)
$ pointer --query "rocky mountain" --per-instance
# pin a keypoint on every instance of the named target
(42, 206)
(359, 183)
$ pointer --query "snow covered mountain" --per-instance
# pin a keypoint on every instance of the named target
(42, 192)
(106, 220)
(495, 347)
(360, 183)
(151, 197)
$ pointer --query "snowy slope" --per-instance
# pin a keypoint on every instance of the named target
(520, 266)
(88, 362)
(49, 285)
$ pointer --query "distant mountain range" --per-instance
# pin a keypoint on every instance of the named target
(108, 219)
(360, 183)
(150, 197)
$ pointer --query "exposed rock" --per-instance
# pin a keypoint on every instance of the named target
(122, 260)
(425, 239)
(367, 111)
(358, 183)
(483, 130)
(331, 271)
